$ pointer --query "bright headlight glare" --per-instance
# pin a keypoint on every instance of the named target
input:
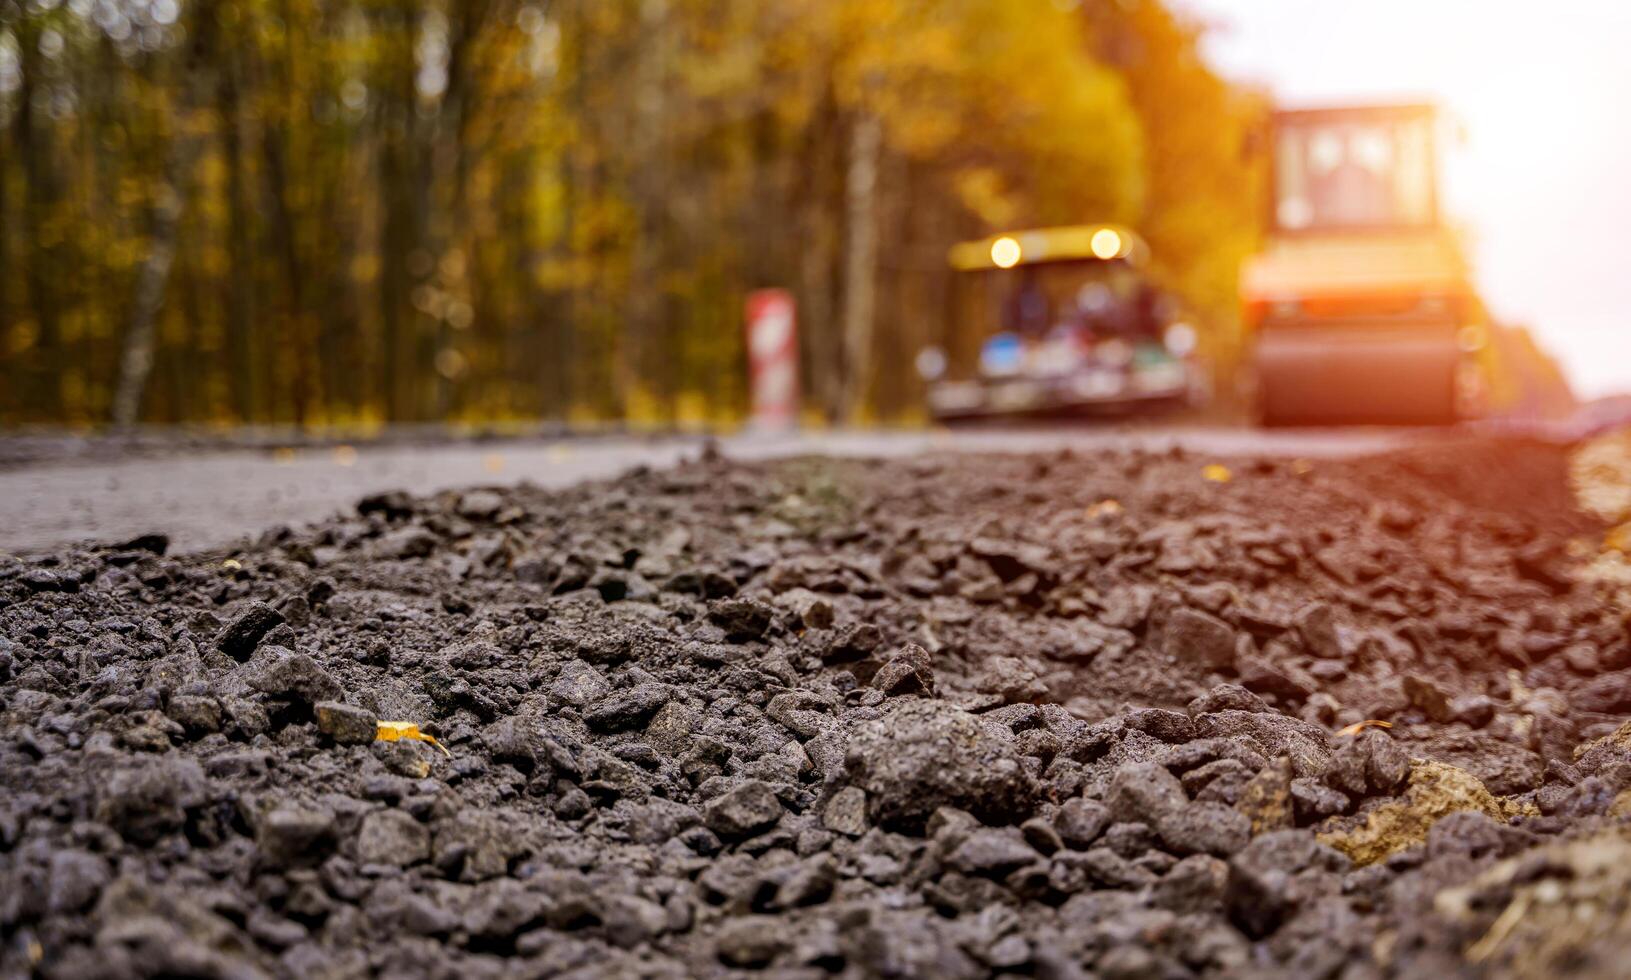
(1005, 253)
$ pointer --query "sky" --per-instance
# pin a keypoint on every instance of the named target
(1540, 174)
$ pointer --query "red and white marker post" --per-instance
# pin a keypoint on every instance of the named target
(773, 360)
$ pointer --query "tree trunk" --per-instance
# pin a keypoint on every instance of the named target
(40, 181)
(860, 260)
(136, 361)
(241, 276)
(644, 366)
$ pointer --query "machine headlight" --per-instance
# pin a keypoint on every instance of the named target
(1106, 244)
(1005, 253)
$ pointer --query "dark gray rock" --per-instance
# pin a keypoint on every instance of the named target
(1607, 693)
(392, 837)
(1313, 801)
(346, 724)
(198, 714)
(1427, 697)
(294, 677)
(1199, 638)
(1317, 627)
(1387, 766)
(480, 505)
(1194, 886)
(992, 852)
(1274, 673)
(628, 708)
(751, 941)
(800, 712)
(748, 808)
(1277, 874)
(1144, 792)
(243, 633)
(1168, 726)
(406, 543)
(392, 504)
(294, 837)
(579, 684)
(845, 813)
(1080, 821)
(742, 618)
(921, 755)
(908, 672)
(1204, 828)
(671, 728)
(148, 800)
(1226, 697)
(1271, 735)
(76, 879)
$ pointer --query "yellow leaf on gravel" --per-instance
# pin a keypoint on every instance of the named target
(1360, 726)
(396, 731)
(1217, 473)
(1104, 508)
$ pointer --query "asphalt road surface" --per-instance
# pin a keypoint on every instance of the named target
(213, 497)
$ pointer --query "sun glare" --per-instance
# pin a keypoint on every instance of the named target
(1005, 253)
(1106, 243)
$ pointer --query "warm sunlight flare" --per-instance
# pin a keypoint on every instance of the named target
(1531, 152)
(1106, 243)
(1005, 253)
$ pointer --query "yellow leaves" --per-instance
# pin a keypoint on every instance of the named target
(397, 731)
(1104, 509)
(1360, 726)
(365, 267)
(1216, 473)
(23, 335)
(982, 190)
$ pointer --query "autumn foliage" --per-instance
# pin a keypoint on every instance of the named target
(345, 212)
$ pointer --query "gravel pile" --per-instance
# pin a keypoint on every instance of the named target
(1122, 716)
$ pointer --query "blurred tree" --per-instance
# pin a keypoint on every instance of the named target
(1206, 181)
(346, 212)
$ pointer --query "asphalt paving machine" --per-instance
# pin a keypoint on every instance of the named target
(1059, 321)
(1361, 308)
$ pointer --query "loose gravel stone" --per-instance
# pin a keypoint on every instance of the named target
(945, 715)
(1199, 638)
(921, 755)
(292, 837)
(346, 724)
(394, 838)
(750, 807)
(239, 637)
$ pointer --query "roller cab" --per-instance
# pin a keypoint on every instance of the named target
(1360, 310)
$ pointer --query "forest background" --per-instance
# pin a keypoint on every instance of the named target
(345, 213)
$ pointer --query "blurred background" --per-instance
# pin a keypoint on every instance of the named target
(340, 214)
(350, 212)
